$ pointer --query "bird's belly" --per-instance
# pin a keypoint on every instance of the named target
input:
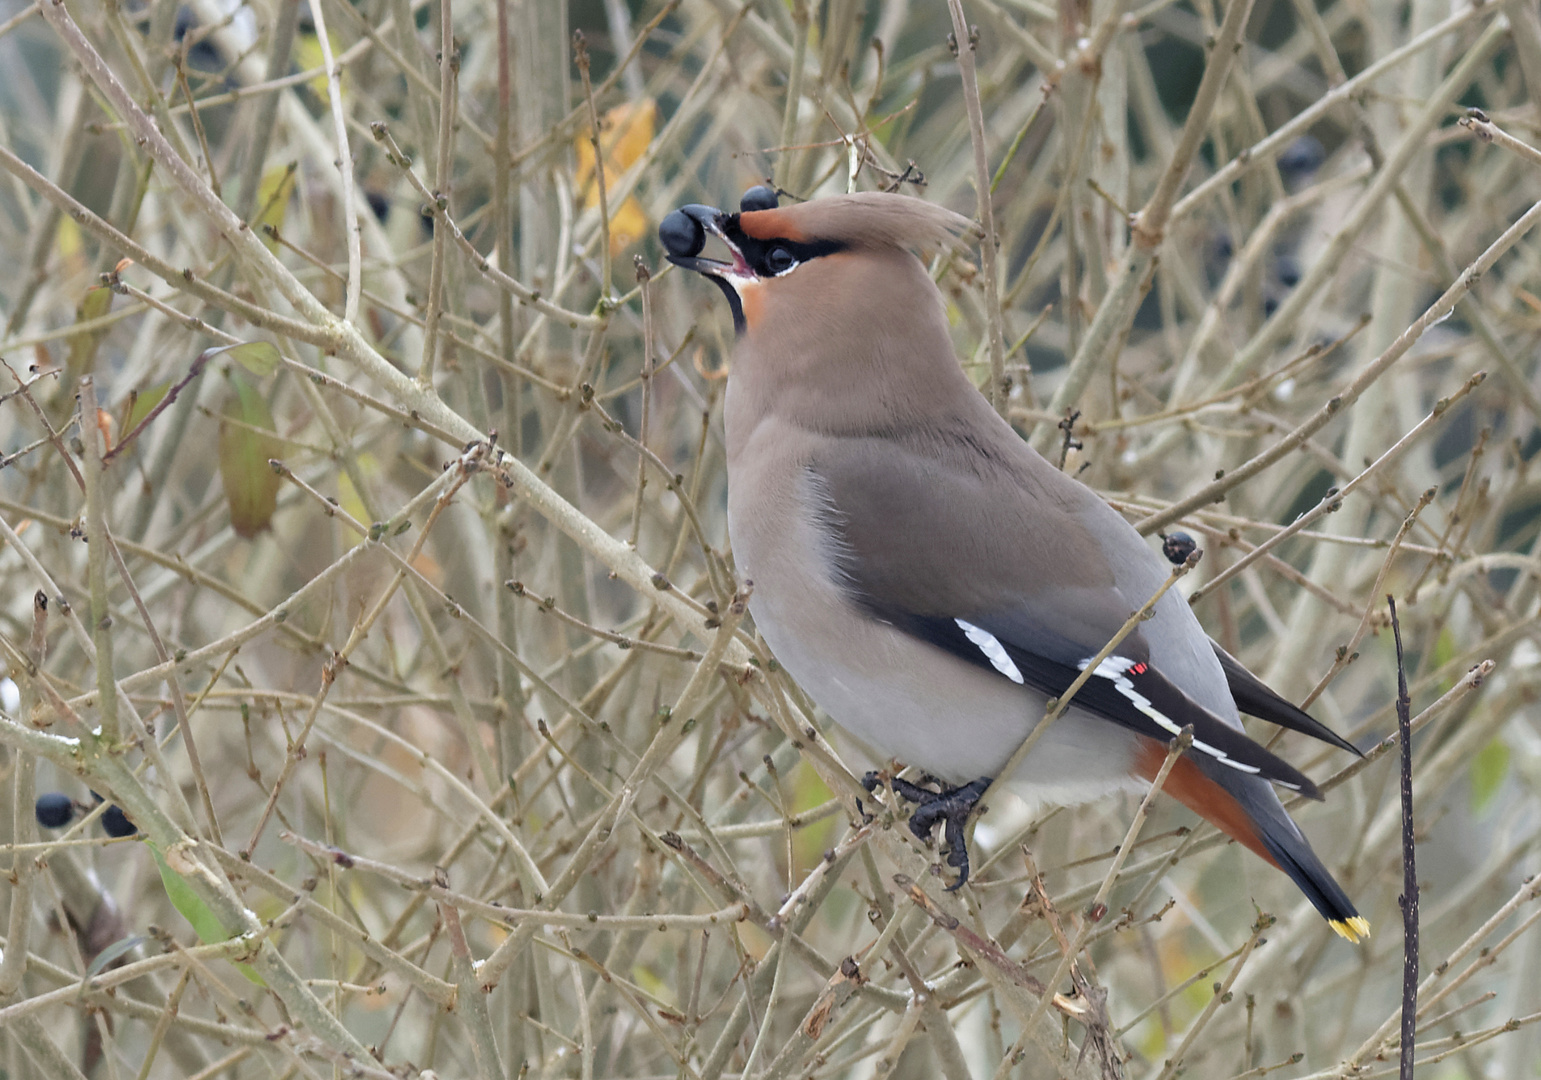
(957, 724)
(908, 700)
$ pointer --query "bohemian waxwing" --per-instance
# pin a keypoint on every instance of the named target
(929, 578)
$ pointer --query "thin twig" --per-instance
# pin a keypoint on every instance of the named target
(344, 164)
(91, 436)
(581, 59)
(643, 277)
(964, 42)
(439, 199)
(1408, 901)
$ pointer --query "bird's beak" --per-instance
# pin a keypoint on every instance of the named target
(683, 233)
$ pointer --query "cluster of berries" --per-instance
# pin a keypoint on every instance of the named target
(55, 810)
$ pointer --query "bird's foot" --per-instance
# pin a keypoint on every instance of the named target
(951, 806)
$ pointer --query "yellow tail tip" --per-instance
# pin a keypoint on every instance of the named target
(1351, 929)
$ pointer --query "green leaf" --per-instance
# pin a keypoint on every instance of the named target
(96, 303)
(810, 842)
(202, 918)
(112, 952)
(140, 402)
(1444, 648)
(251, 485)
(258, 357)
(1444, 651)
(204, 922)
(1488, 770)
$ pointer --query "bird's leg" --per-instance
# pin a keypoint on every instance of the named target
(950, 806)
(872, 780)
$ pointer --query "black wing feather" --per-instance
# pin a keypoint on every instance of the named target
(1255, 698)
(1046, 667)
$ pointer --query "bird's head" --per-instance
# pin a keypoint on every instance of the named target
(839, 324)
(782, 260)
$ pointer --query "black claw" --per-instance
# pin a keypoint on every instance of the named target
(950, 806)
(870, 780)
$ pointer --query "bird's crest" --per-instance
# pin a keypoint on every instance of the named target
(864, 219)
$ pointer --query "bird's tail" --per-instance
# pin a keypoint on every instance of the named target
(1247, 809)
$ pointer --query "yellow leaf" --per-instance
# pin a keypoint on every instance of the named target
(307, 53)
(625, 132)
(273, 200)
(67, 238)
(348, 498)
(627, 225)
(645, 977)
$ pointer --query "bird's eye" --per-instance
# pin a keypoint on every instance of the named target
(778, 260)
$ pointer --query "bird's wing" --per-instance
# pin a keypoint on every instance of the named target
(1254, 698)
(965, 551)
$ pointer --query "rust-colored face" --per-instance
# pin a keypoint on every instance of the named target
(764, 244)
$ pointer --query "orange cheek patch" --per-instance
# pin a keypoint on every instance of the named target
(770, 225)
(1188, 785)
(751, 297)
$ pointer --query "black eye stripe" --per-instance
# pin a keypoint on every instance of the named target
(757, 253)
